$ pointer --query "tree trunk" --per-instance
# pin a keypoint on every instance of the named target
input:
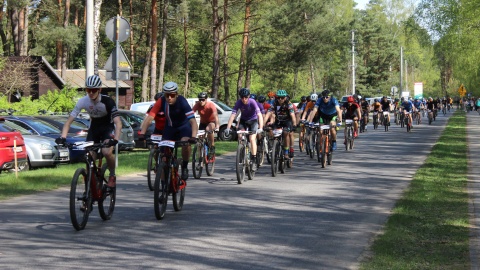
(161, 72)
(66, 18)
(145, 77)
(13, 12)
(3, 36)
(96, 32)
(243, 54)
(120, 7)
(153, 49)
(132, 42)
(312, 74)
(216, 50)
(185, 38)
(23, 31)
(58, 43)
(226, 86)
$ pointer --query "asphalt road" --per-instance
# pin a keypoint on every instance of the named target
(307, 218)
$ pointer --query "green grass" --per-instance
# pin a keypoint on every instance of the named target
(29, 182)
(429, 227)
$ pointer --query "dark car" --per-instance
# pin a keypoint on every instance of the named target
(135, 120)
(39, 127)
(126, 142)
(77, 127)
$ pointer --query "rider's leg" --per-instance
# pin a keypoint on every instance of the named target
(211, 137)
(110, 158)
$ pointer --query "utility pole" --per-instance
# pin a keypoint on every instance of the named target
(401, 71)
(353, 62)
(406, 75)
(90, 68)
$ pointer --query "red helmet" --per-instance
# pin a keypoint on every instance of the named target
(271, 94)
(350, 99)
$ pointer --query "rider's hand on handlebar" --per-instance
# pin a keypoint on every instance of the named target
(227, 131)
(192, 140)
(141, 136)
(216, 129)
(60, 141)
(339, 124)
(259, 130)
(112, 142)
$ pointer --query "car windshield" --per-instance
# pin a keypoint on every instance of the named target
(43, 127)
(14, 127)
(222, 105)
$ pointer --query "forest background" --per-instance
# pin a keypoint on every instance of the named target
(220, 46)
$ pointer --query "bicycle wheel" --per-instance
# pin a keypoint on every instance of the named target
(260, 152)
(323, 159)
(301, 146)
(107, 204)
(408, 124)
(351, 140)
(312, 144)
(275, 157)
(249, 165)
(269, 151)
(80, 201)
(210, 164)
(160, 192)
(306, 144)
(197, 159)
(375, 122)
(151, 165)
(385, 123)
(178, 197)
(330, 151)
(240, 163)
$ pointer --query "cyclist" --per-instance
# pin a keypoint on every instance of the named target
(418, 104)
(265, 105)
(159, 118)
(365, 106)
(386, 107)
(271, 96)
(352, 111)
(208, 118)
(262, 109)
(432, 106)
(104, 119)
(309, 106)
(251, 118)
(329, 112)
(180, 121)
(408, 107)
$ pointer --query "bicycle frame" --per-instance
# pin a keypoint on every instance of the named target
(349, 138)
(243, 160)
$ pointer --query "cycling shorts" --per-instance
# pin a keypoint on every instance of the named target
(175, 134)
(158, 131)
(251, 125)
(203, 126)
(351, 115)
(287, 125)
(100, 134)
(326, 119)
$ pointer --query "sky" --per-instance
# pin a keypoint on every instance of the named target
(362, 4)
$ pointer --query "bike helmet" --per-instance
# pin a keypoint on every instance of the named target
(244, 92)
(271, 94)
(314, 97)
(309, 99)
(93, 82)
(158, 95)
(350, 99)
(375, 100)
(170, 87)
(202, 95)
(262, 99)
(303, 99)
(281, 93)
(254, 96)
(325, 93)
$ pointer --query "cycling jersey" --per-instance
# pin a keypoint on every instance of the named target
(328, 108)
(377, 106)
(249, 111)
(158, 115)
(385, 105)
(365, 105)
(417, 104)
(207, 112)
(282, 111)
(351, 110)
(407, 105)
(178, 116)
(266, 106)
(431, 105)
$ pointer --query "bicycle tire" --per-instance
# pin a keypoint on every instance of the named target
(352, 139)
(269, 153)
(78, 199)
(197, 161)
(375, 122)
(385, 124)
(106, 205)
(330, 151)
(248, 161)
(151, 165)
(275, 158)
(323, 159)
(306, 143)
(409, 125)
(301, 146)
(312, 144)
(240, 163)
(160, 192)
(210, 164)
(260, 152)
(178, 197)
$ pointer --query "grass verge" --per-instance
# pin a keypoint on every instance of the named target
(44, 179)
(429, 227)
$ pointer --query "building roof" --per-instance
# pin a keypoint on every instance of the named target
(76, 78)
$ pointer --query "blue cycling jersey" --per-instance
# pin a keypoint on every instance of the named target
(327, 108)
(407, 105)
(417, 104)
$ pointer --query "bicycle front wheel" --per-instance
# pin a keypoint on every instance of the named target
(179, 196)
(197, 160)
(210, 164)
(260, 152)
(151, 169)
(275, 157)
(107, 204)
(249, 165)
(160, 192)
(80, 201)
(323, 149)
(240, 163)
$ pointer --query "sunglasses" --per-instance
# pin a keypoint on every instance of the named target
(170, 95)
(201, 100)
(326, 97)
(93, 90)
(281, 97)
(244, 97)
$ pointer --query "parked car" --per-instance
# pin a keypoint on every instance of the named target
(223, 110)
(41, 151)
(135, 119)
(126, 142)
(11, 143)
(77, 127)
(39, 127)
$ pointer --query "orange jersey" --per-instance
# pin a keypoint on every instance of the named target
(207, 113)
(158, 115)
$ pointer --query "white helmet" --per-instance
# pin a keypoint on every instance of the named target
(93, 82)
(314, 97)
(359, 97)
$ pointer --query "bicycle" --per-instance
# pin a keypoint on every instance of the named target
(279, 162)
(243, 164)
(349, 138)
(417, 117)
(385, 120)
(89, 186)
(314, 131)
(375, 120)
(363, 122)
(171, 182)
(202, 156)
(301, 138)
(152, 159)
(325, 146)
(408, 122)
(262, 148)
(402, 119)
(444, 110)
(430, 117)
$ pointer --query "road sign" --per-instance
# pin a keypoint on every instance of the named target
(123, 29)
(124, 66)
(462, 91)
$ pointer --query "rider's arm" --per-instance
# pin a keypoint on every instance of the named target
(260, 120)
(267, 116)
(118, 127)
(230, 120)
(339, 114)
(145, 124)
(66, 126)
(312, 114)
(193, 123)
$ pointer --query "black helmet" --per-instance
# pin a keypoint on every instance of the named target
(254, 96)
(202, 95)
(261, 98)
(303, 98)
(158, 95)
(325, 93)
(244, 92)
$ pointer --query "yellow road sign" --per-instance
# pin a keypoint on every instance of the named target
(461, 90)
